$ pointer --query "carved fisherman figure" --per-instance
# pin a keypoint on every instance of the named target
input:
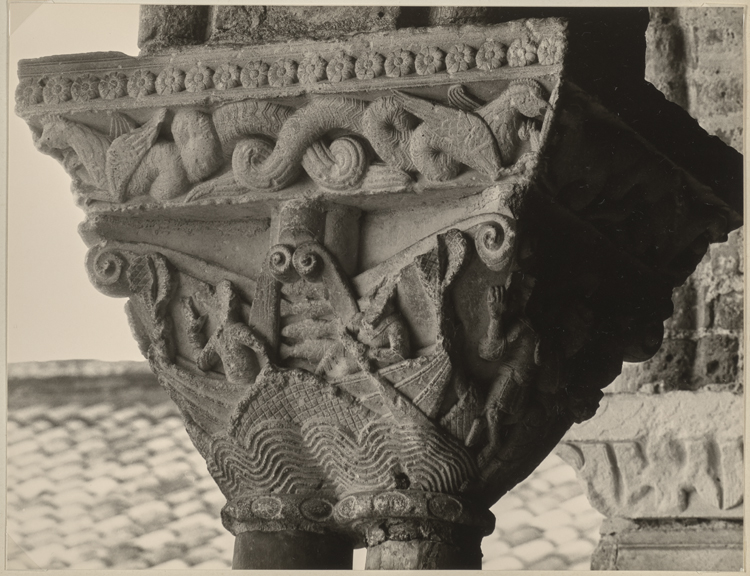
(511, 341)
(378, 275)
(233, 342)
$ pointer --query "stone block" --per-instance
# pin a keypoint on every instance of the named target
(171, 26)
(140, 424)
(716, 360)
(93, 447)
(576, 505)
(640, 446)
(79, 538)
(503, 563)
(169, 551)
(72, 496)
(99, 487)
(559, 475)
(37, 511)
(40, 426)
(18, 434)
(188, 508)
(94, 412)
(728, 311)
(64, 472)
(561, 534)
(22, 448)
(670, 545)
(37, 525)
(506, 503)
(44, 555)
(551, 562)
(34, 487)
(551, 519)
(720, 95)
(522, 535)
(123, 552)
(151, 513)
(155, 540)
(259, 24)
(511, 520)
(576, 550)
(130, 472)
(533, 551)
(75, 525)
(27, 414)
(131, 456)
(60, 415)
(181, 496)
(542, 503)
(493, 546)
(200, 555)
(684, 302)
(113, 524)
(669, 369)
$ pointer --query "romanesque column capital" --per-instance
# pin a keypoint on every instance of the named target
(382, 276)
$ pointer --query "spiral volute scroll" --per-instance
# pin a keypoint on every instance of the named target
(280, 263)
(495, 243)
(107, 271)
(308, 262)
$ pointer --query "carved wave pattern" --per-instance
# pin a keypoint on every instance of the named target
(385, 451)
(273, 458)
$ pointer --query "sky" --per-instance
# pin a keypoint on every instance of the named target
(54, 313)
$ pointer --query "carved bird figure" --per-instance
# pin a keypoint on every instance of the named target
(507, 114)
(462, 135)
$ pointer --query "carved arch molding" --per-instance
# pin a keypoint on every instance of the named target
(380, 278)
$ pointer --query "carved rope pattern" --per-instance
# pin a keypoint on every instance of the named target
(339, 67)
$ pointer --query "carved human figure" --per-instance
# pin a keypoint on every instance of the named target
(383, 329)
(233, 342)
(511, 341)
(380, 328)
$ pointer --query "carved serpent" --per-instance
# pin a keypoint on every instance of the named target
(436, 147)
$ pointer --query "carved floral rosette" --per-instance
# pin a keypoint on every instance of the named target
(382, 294)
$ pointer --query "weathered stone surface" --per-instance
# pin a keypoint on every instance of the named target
(171, 26)
(671, 368)
(262, 24)
(716, 360)
(356, 371)
(669, 545)
(446, 15)
(666, 59)
(646, 456)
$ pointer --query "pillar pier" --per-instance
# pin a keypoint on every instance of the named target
(382, 274)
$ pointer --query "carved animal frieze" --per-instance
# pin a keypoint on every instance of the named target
(341, 143)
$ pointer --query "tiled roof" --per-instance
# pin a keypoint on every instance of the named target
(102, 480)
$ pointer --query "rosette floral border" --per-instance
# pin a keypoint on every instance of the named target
(312, 69)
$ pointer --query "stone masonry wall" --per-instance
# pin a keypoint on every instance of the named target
(695, 57)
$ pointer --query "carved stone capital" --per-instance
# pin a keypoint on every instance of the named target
(380, 277)
(662, 456)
